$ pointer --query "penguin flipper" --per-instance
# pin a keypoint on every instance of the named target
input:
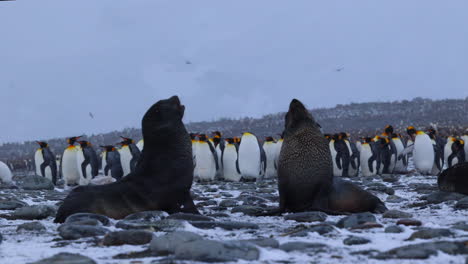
(338, 160)
(237, 166)
(215, 155)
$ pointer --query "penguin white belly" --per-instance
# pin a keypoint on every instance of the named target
(465, 139)
(366, 154)
(140, 144)
(359, 146)
(194, 156)
(219, 153)
(249, 157)
(229, 164)
(447, 152)
(206, 166)
(423, 154)
(270, 153)
(38, 160)
(399, 165)
(104, 163)
(278, 144)
(84, 179)
(70, 171)
(125, 158)
(5, 173)
(336, 171)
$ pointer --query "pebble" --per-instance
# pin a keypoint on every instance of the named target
(66, 258)
(356, 220)
(71, 231)
(354, 240)
(31, 226)
(430, 233)
(36, 183)
(34, 212)
(396, 214)
(393, 229)
(217, 251)
(307, 217)
(247, 210)
(166, 244)
(127, 237)
(409, 222)
(301, 246)
(84, 217)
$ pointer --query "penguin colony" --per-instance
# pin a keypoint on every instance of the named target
(247, 158)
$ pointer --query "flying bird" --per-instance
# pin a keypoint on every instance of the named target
(91, 115)
(339, 69)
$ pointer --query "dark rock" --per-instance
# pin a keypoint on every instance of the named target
(81, 217)
(31, 226)
(396, 214)
(425, 250)
(354, 240)
(264, 242)
(390, 178)
(355, 220)
(462, 203)
(367, 225)
(393, 229)
(66, 258)
(301, 246)
(383, 189)
(127, 237)
(216, 251)
(190, 217)
(36, 183)
(247, 210)
(228, 203)
(429, 233)
(165, 225)
(166, 244)
(321, 229)
(461, 226)
(409, 222)
(394, 199)
(228, 225)
(71, 231)
(34, 212)
(147, 216)
(218, 215)
(11, 203)
(307, 217)
(251, 200)
(440, 197)
(206, 203)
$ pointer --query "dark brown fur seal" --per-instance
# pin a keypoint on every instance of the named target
(162, 179)
(305, 171)
(454, 179)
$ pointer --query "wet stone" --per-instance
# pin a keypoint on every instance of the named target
(82, 218)
(462, 204)
(165, 225)
(320, 229)
(127, 237)
(71, 231)
(393, 229)
(430, 233)
(440, 197)
(31, 227)
(394, 199)
(307, 217)
(354, 240)
(302, 246)
(461, 226)
(34, 212)
(264, 242)
(228, 203)
(217, 251)
(355, 220)
(189, 217)
(425, 250)
(66, 258)
(396, 214)
(166, 244)
(11, 203)
(147, 216)
(247, 210)
(227, 225)
(36, 183)
(409, 222)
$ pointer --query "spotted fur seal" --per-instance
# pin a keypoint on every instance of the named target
(162, 179)
(305, 171)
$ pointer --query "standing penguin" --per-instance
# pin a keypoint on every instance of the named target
(448, 149)
(343, 155)
(5, 173)
(218, 144)
(112, 165)
(87, 161)
(269, 146)
(422, 149)
(368, 158)
(252, 159)
(385, 155)
(129, 155)
(438, 154)
(69, 166)
(458, 153)
(206, 159)
(337, 171)
(465, 139)
(388, 133)
(230, 161)
(353, 168)
(44, 159)
(401, 164)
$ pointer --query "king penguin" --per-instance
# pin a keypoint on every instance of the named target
(423, 151)
(458, 153)
(69, 166)
(87, 162)
(5, 173)
(206, 159)
(368, 158)
(448, 149)
(388, 133)
(129, 155)
(402, 163)
(343, 155)
(219, 145)
(269, 146)
(252, 159)
(465, 139)
(353, 168)
(230, 161)
(111, 163)
(45, 162)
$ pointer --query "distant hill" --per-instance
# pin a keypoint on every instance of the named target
(450, 116)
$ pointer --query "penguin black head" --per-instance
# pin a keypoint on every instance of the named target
(162, 119)
(84, 143)
(336, 137)
(368, 140)
(217, 134)
(237, 140)
(395, 135)
(388, 130)
(230, 140)
(126, 141)
(202, 137)
(411, 130)
(71, 141)
(269, 139)
(343, 135)
(42, 144)
(193, 136)
(108, 148)
(297, 115)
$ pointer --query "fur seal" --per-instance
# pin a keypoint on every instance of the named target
(162, 179)
(305, 171)
(454, 179)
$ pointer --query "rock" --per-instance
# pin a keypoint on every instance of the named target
(147, 216)
(206, 203)
(264, 242)
(394, 199)
(462, 203)
(355, 220)
(440, 197)
(390, 178)
(37, 183)
(354, 240)
(127, 237)
(1, 238)
(247, 210)
(190, 217)
(367, 225)
(66, 258)
(396, 214)
(228, 225)
(11, 203)
(409, 222)
(321, 229)
(461, 226)
(383, 189)
(83, 217)
(228, 203)
(429, 233)
(393, 229)
(166, 244)
(216, 251)
(165, 225)
(425, 250)
(301, 246)
(34, 212)
(31, 226)
(71, 231)
(307, 217)
(251, 200)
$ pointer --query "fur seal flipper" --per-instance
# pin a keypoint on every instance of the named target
(162, 179)
(305, 171)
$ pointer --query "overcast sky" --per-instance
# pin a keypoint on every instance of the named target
(60, 60)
